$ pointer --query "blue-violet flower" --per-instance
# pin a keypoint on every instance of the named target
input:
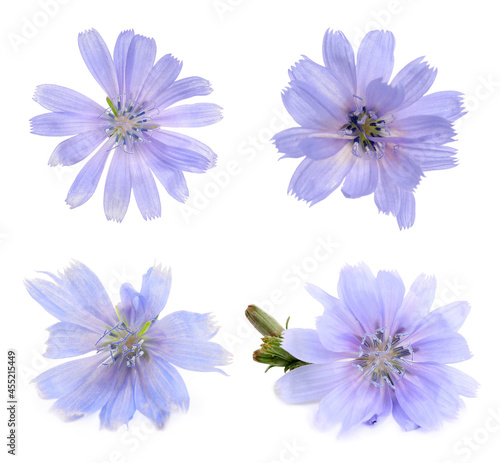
(359, 130)
(136, 352)
(376, 351)
(140, 96)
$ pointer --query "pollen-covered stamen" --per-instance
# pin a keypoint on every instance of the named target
(382, 358)
(129, 122)
(362, 125)
(119, 341)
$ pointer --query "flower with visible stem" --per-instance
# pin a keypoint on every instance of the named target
(364, 131)
(377, 351)
(134, 367)
(140, 100)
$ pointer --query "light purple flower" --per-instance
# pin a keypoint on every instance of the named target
(377, 351)
(140, 99)
(134, 368)
(363, 132)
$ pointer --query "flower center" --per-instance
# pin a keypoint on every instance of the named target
(118, 341)
(382, 358)
(363, 124)
(129, 122)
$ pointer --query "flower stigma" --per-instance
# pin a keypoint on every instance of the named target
(129, 122)
(382, 358)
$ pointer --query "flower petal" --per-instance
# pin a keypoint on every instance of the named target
(187, 325)
(321, 147)
(309, 382)
(77, 148)
(392, 291)
(118, 186)
(401, 167)
(314, 180)
(406, 214)
(339, 58)
(333, 91)
(69, 340)
(64, 378)
(190, 115)
(62, 99)
(402, 418)
(359, 292)
(120, 407)
(120, 57)
(351, 402)
(449, 347)
(144, 186)
(416, 78)
(96, 55)
(387, 197)
(420, 129)
(308, 107)
(288, 141)
(416, 304)
(140, 59)
(375, 59)
(192, 354)
(448, 105)
(62, 124)
(305, 345)
(431, 157)
(155, 289)
(131, 307)
(362, 179)
(172, 180)
(159, 389)
(89, 396)
(182, 90)
(159, 82)
(87, 179)
(383, 98)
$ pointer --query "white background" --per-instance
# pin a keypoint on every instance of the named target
(244, 240)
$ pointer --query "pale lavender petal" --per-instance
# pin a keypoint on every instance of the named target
(339, 58)
(118, 186)
(431, 157)
(309, 109)
(172, 180)
(359, 292)
(387, 197)
(144, 187)
(402, 418)
(62, 99)
(406, 214)
(183, 89)
(190, 115)
(120, 407)
(383, 98)
(62, 124)
(288, 141)
(416, 304)
(187, 325)
(420, 129)
(416, 78)
(87, 179)
(140, 59)
(362, 179)
(448, 105)
(334, 93)
(401, 168)
(449, 347)
(392, 291)
(309, 382)
(321, 147)
(96, 55)
(120, 57)
(158, 85)
(375, 59)
(69, 340)
(314, 180)
(155, 289)
(77, 148)
(305, 345)
(131, 307)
